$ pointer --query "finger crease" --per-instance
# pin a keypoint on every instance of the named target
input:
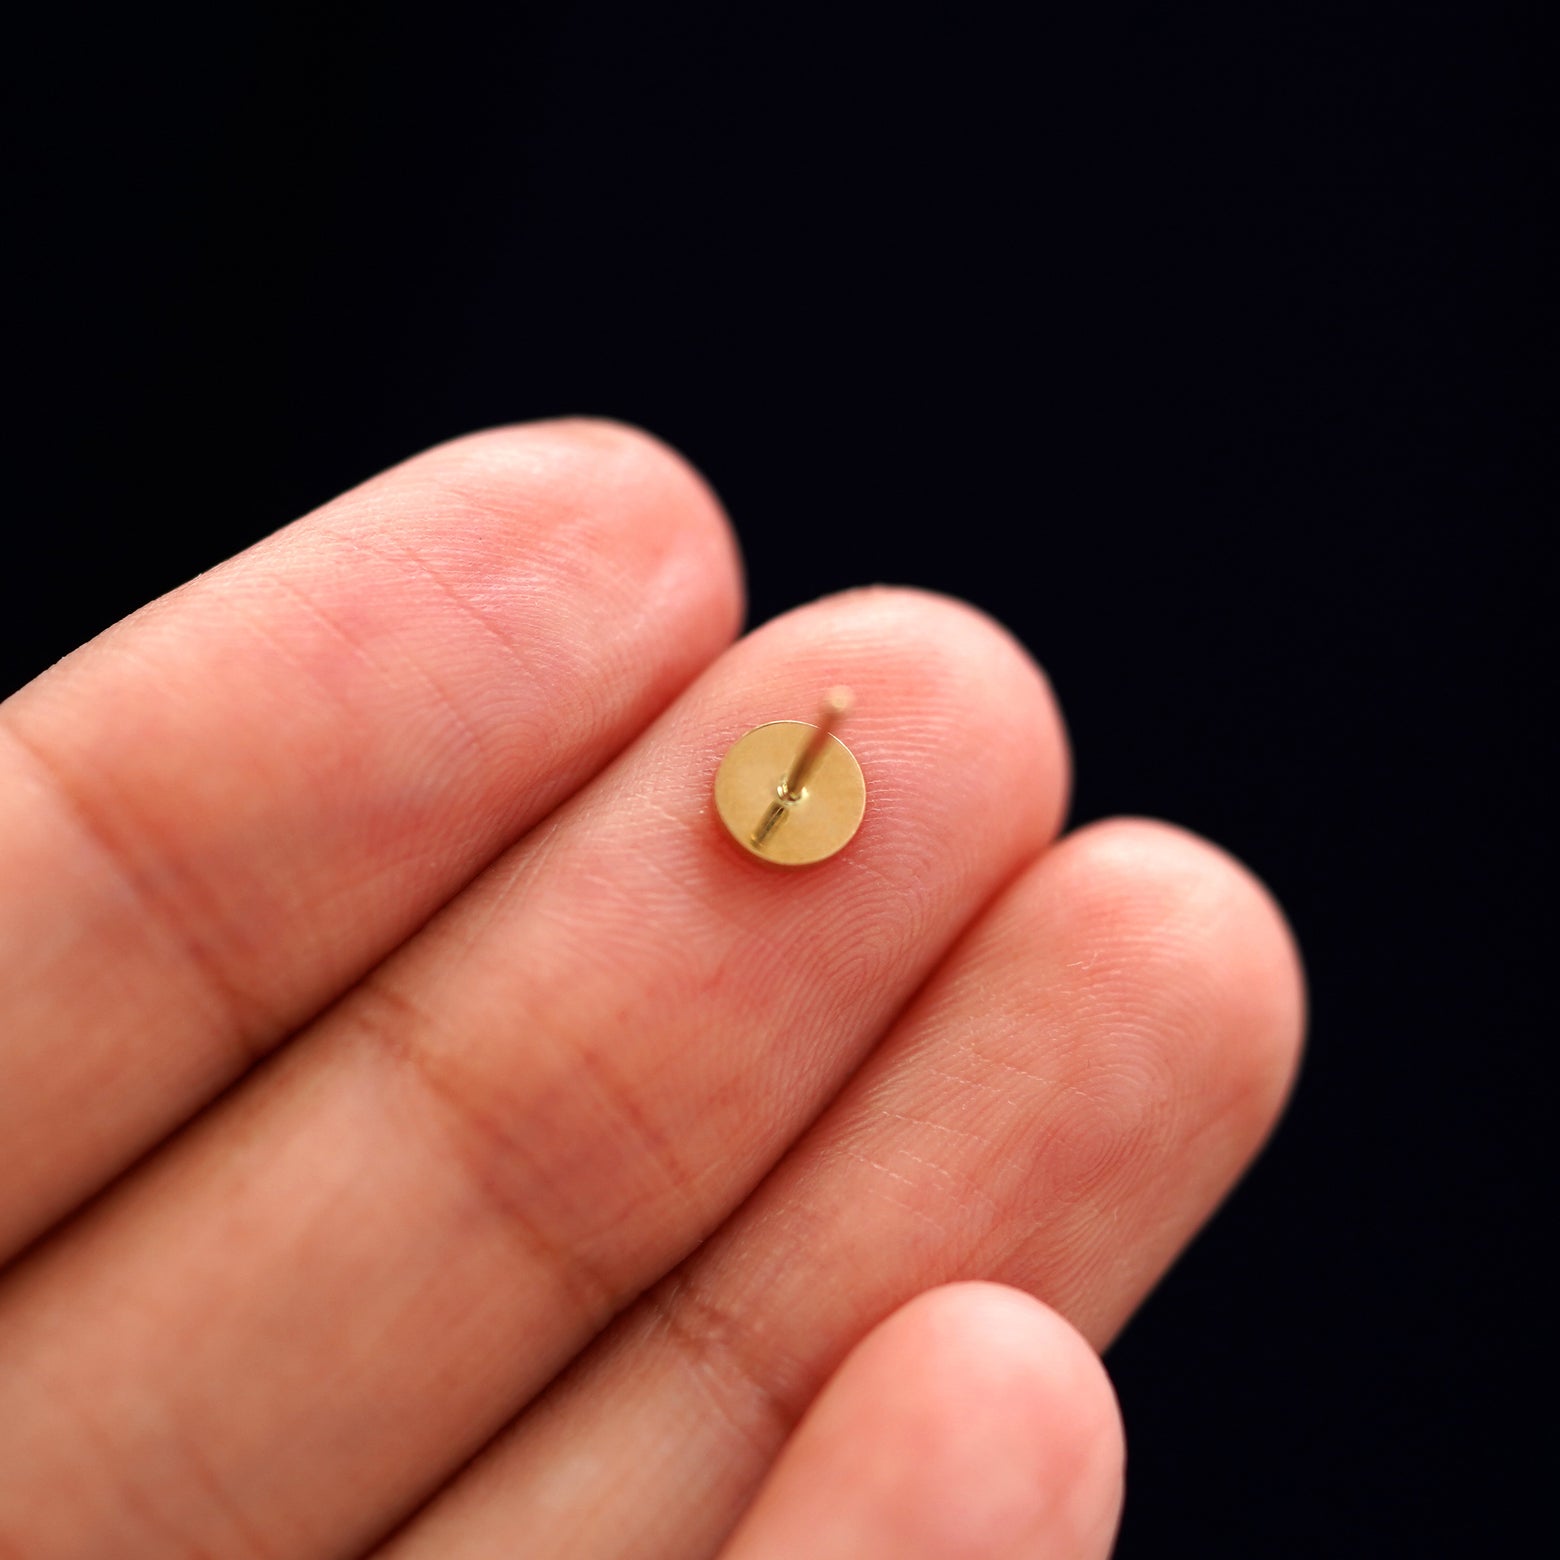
(248, 1025)
(479, 1142)
(731, 1363)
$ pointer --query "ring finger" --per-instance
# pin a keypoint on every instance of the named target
(1059, 1110)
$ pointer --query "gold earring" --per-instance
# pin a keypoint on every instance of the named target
(791, 793)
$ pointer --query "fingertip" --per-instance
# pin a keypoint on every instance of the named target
(1007, 1391)
(956, 690)
(627, 491)
(1004, 1340)
(973, 1423)
(1199, 921)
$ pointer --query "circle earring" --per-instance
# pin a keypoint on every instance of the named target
(792, 793)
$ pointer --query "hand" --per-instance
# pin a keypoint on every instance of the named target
(399, 1063)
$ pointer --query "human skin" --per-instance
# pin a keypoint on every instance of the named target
(423, 1131)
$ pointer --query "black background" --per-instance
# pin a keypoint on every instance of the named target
(1186, 339)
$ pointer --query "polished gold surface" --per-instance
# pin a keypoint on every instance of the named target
(792, 793)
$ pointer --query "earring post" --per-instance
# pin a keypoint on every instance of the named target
(793, 783)
(834, 709)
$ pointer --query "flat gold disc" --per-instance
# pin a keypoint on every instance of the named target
(748, 789)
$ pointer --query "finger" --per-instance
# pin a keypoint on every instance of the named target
(219, 814)
(974, 1424)
(341, 1282)
(1059, 1110)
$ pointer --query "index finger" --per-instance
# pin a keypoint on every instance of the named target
(221, 813)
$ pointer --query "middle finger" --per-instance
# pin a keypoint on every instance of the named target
(298, 1318)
